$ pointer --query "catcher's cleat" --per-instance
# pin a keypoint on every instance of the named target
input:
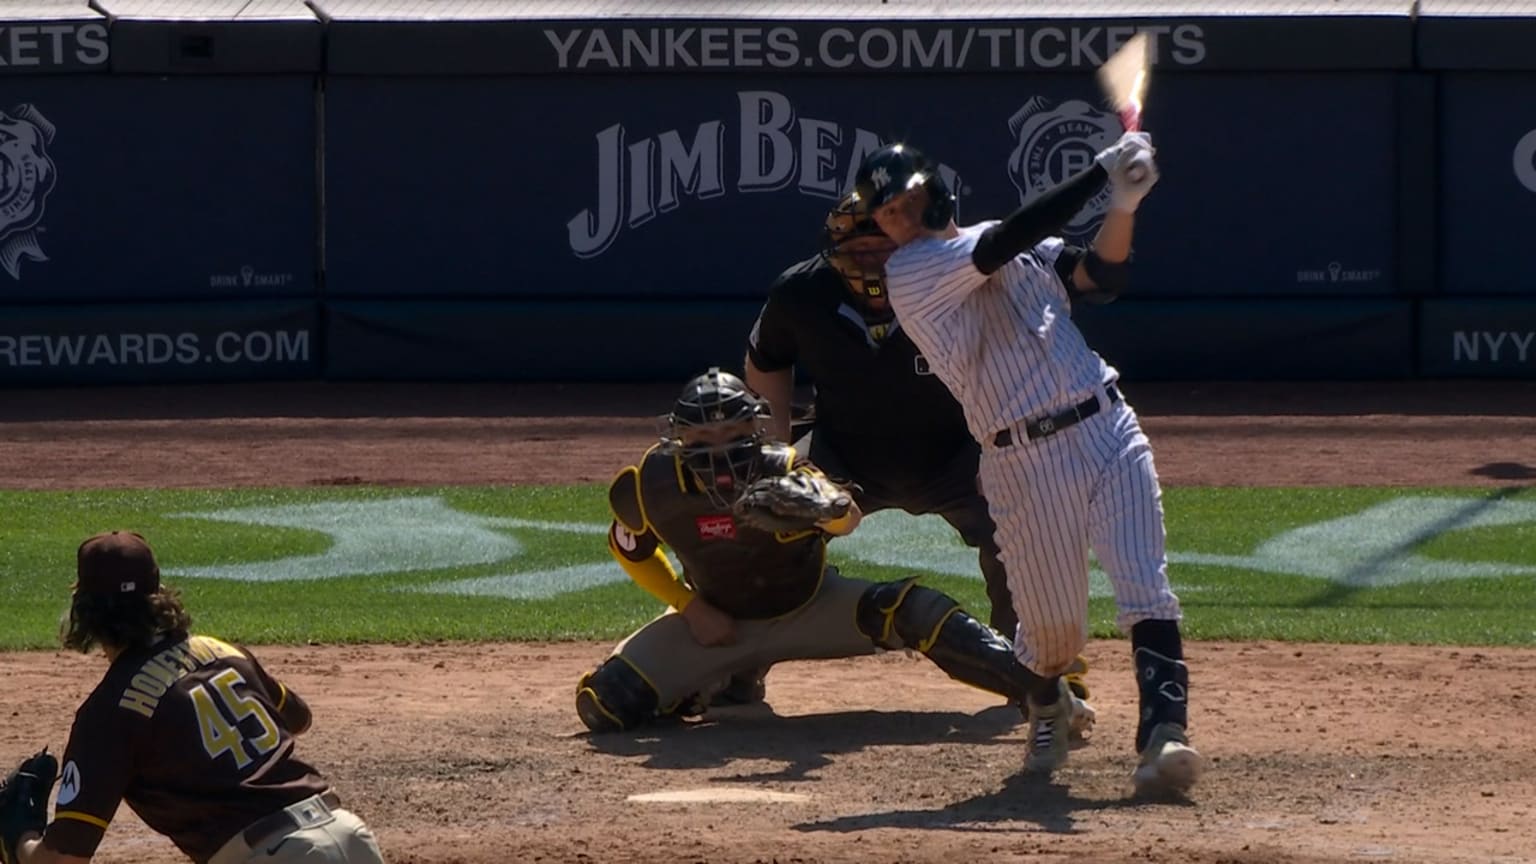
(1168, 764)
(1083, 719)
(1077, 677)
(1049, 732)
(746, 688)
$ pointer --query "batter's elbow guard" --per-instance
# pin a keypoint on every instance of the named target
(1110, 278)
(615, 697)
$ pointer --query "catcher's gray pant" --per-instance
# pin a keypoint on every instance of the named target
(826, 627)
(315, 833)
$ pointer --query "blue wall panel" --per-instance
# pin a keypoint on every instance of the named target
(1488, 183)
(117, 188)
(673, 187)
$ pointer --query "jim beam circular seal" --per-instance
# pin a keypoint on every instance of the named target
(1054, 142)
(26, 177)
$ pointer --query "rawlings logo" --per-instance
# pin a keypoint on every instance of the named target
(1053, 143)
(26, 177)
(716, 527)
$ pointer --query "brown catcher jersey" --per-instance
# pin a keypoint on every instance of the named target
(189, 733)
(744, 572)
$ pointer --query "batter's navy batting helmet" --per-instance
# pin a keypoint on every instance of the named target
(897, 168)
(718, 399)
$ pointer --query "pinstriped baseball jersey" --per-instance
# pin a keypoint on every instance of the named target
(1005, 344)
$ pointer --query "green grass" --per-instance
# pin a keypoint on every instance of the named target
(1344, 583)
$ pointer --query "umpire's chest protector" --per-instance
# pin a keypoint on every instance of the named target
(744, 572)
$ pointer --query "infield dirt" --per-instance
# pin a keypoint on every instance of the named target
(472, 753)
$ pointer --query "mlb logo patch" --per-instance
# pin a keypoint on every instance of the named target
(721, 527)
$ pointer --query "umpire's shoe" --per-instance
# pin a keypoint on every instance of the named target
(1050, 728)
(1169, 766)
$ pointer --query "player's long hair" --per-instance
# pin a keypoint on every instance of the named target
(123, 620)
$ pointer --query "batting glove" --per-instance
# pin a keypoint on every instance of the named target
(1132, 170)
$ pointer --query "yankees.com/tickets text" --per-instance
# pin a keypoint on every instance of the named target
(864, 47)
(154, 349)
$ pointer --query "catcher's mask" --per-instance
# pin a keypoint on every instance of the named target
(717, 429)
(898, 168)
(857, 249)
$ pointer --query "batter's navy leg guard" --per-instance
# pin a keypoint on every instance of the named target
(615, 697)
(1164, 686)
(908, 615)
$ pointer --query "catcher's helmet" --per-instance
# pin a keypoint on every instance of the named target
(897, 168)
(719, 399)
(849, 220)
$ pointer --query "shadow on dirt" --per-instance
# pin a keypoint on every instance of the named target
(804, 743)
(1022, 798)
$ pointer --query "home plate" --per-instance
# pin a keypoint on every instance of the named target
(719, 795)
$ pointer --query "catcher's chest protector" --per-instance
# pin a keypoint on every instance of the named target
(745, 572)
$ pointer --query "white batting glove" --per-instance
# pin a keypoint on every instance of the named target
(1132, 170)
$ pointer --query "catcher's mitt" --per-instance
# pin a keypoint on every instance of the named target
(24, 801)
(792, 502)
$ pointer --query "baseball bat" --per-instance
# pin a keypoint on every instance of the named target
(1124, 78)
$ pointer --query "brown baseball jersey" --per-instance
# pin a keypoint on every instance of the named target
(743, 571)
(191, 733)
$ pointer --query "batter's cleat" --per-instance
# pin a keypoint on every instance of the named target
(1049, 732)
(1169, 766)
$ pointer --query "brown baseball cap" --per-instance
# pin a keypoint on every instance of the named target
(116, 562)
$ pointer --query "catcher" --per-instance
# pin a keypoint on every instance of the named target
(192, 732)
(750, 521)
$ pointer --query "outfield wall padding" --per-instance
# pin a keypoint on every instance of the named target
(149, 343)
(1493, 338)
(532, 340)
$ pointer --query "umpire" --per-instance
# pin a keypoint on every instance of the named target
(882, 420)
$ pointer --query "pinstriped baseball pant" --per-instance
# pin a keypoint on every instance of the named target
(1092, 485)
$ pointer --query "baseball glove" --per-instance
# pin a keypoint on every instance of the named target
(792, 502)
(24, 801)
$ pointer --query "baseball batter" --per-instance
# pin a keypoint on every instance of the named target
(190, 731)
(747, 597)
(1064, 463)
(884, 423)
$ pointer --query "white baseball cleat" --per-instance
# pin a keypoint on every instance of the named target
(1050, 728)
(1168, 764)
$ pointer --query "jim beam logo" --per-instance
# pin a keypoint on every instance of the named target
(767, 146)
(1053, 142)
(27, 176)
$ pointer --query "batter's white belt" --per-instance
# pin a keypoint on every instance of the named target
(310, 812)
(1044, 427)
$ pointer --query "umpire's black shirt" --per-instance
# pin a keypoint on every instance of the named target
(877, 404)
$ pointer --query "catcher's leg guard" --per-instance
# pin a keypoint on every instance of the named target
(905, 614)
(615, 697)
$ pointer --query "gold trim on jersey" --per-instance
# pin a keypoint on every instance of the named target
(81, 817)
(282, 696)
